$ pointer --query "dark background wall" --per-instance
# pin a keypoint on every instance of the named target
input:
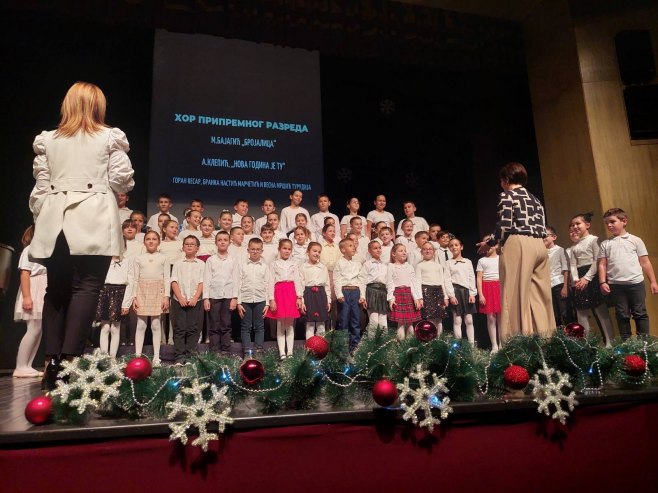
(430, 126)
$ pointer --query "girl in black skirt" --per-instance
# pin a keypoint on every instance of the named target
(317, 298)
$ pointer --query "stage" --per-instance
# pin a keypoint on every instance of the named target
(492, 445)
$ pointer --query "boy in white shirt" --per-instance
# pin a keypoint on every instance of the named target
(350, 291)
(241, 207)
(267, 207)
(559, 269)
(414, 255)
(253, 279)
(270, 247)
(186, 311)
(164, 206)
(237, 246)
(419, 224)
(124, 212)
(622, 260)
(220, 284)
(317, 219)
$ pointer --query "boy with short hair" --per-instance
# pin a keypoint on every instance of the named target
(267, 207)
(220, 285)
(350, 290)
(124, 212)
(443, 252)
(622, 260)
(186, 311)
(253, 279)
(270, 247)
(317, 219)
(241, 207)
(164, 206)
(414, 255)
(419, 224)
(386, 239)
(559, 271)
(237, 247)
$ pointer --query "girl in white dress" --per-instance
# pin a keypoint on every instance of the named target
(148, 292)
(29, 306)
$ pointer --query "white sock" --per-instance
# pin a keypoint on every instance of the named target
(470, 328)
(140, 333)
(310, 329)
(155, 329)
(290, 333)
(493, 331)
(319, 328)
(281, 337)
(606, 324)
(27, 349)
(400, 332)
(105, 337)
(115, 330)
(583, 319)
(437, 323)
(457, 325)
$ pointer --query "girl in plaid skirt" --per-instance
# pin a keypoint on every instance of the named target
(148, 292)
(403, 292)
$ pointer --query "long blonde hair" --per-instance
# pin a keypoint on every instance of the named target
(83, 109)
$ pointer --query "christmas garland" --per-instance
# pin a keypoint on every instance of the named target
(424, 374)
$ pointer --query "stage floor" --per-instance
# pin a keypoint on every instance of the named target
(17, 432)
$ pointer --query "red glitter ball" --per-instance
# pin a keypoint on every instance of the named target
(634, 365)
(516, 377)
(318, 345)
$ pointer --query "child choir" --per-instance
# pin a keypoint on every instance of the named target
(330, 272)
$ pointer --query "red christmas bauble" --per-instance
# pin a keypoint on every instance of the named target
(384, 392)
(252, 371)
(39, 410)
(138, 369)
(318, 345)
(575, 330)
(425, 331)
(635, 365)
(516, 377)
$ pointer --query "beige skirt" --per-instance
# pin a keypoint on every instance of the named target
(150, 293)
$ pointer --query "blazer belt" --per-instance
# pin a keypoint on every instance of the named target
(78, 185)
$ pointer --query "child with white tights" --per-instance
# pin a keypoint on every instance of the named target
(374, 272)
(29, 307)
(148, 292)
(462, 299)
(435, 283)
(314, 278)
(285, 295)
(583, 258)
(403, 292)
(108, 311)
(488, 285)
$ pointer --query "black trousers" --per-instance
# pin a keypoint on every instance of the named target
(629, 300)
(219, 328)
(187, 327)
(69, 307)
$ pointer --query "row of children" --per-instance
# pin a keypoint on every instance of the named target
(437, 272)
(590, 275)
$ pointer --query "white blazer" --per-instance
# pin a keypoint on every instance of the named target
(76, 181)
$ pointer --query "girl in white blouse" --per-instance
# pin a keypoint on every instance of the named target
(403, 292)
(582, 265)
(285, 295)
(148, 292)
(462, 299)
(314, 278)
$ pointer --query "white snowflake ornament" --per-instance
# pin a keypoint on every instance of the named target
(96, 376)
(199, 413)
(548, 386)
(424, 398)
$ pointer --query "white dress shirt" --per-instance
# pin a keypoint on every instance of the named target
(221, 277)
(374, 271)
(254, 278)
(461, 272)
(348, 273)
(188, 273)
(315, 275)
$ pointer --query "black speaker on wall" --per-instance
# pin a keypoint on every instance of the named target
(635, 56)
(642, 111)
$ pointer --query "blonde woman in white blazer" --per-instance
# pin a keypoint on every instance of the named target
(78, 170)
